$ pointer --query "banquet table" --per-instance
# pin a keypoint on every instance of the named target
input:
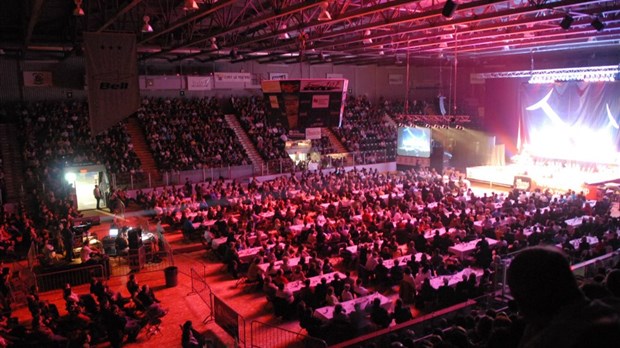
(246, 255)
(296, 286)
(576, 222)
(577, 242)
(292, 262)
(463, 250)
(327, 313)
(402, 260)
(353, 248)
(436, 282)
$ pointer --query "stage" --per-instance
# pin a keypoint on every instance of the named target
(554, 176)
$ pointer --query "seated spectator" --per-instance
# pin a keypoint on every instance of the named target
(401, 312)
(555, 311)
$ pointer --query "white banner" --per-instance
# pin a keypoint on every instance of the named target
(232, 77)
(320, 101)
(273, 100)
(278, 76)
(395, 79)
(38, 79)
(313, 133)
(199, 83)
(324, 85)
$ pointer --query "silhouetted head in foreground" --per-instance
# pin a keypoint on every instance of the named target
(541, 281)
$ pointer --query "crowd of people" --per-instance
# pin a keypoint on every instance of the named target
(186, 134)
(386, 215)
(364, 129)
(101, 315)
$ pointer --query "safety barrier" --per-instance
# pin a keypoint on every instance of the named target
(203, 290)
(75, 275)
(263, 335)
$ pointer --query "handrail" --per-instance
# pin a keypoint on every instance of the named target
(397, 327)
(308, 341)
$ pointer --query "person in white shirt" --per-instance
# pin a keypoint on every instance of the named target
(371, 263)
(359, 289)
(346, 294)
(330, 298)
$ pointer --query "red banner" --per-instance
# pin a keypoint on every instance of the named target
(112, 76)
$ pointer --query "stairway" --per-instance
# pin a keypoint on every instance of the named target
(388, 120)
(12, 161)
(141, 147)
(250, 149)
(336, 143)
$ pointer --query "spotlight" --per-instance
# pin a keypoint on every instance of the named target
(284, 36)
(190, 5)
(449, 8)
(324, 15)
(566, 22)
(213, 44)
(78, 11)
(367, 41)
(597, 24)
(147, 28)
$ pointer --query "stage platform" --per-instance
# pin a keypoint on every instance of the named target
(558, 178)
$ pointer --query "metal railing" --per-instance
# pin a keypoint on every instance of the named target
(380, 338)
(276, 166)
(154, 260)
(75, 275)
(203, 290)
(263, 335)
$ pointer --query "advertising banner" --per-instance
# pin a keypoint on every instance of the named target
(112, 75)
(38, 79)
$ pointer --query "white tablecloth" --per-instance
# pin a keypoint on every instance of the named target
(327, 313)
(295, 286)
(463, 250)
(292, 262)
(436, 282)
(353, 248)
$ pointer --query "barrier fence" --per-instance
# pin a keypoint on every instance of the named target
(134, 181)
(75, 276)
(145, 259)
(263, 335)
(203, 290)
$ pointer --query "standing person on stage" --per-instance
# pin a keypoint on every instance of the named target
(97, 194)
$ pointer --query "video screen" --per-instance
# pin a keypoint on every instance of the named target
(415, 142)
(576, 121)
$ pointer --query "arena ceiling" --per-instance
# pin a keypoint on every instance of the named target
(353, 32)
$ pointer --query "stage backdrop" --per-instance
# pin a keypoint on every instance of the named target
(112, 78)
(300, 104)
(571, 121)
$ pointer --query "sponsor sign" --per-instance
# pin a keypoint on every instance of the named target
(320, 101)
(278, 76)
(199, 83)
(313, 133)
(395, 79)
(37, 78)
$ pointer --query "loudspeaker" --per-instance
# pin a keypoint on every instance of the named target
(135, 238)
(566, 22)
(449, 8)
(436, 160)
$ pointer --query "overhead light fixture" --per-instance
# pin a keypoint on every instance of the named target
(78, 11)
(566, 22)
(234, 54)
(324, 15)
(284, 36)
(449, 8)
(213, 44)
(190, 5)
(367, 40)
(597, 24)
(147, 28)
